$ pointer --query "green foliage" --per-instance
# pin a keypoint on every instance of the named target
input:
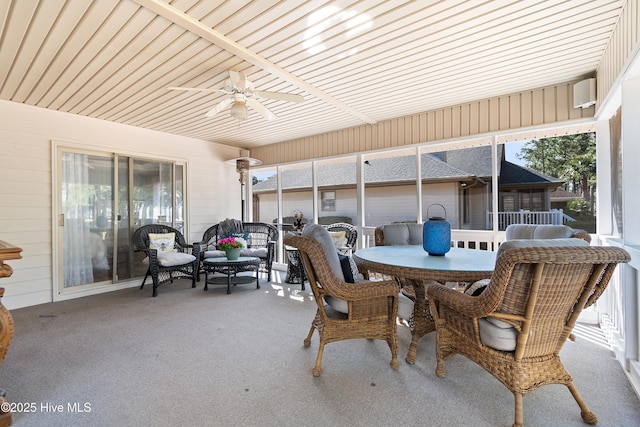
(579, 206)
(571, 158)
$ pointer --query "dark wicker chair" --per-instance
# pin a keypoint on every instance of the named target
(159, 273)
(372, 306)
(295, 271)
(351, 233)
(261, 235)
(516, 328)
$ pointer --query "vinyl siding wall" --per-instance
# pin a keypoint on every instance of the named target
(26, 137)
(543, 106)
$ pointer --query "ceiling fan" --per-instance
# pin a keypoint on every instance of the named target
(242, 94)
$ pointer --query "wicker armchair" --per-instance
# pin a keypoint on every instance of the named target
(516, 328)
(261, 236)
(165, 268)
(351, 233)
(372, 306)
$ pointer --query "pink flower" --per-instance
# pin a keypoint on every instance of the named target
(230, 243)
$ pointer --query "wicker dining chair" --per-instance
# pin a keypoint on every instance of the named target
(516, 328)
(372, 306)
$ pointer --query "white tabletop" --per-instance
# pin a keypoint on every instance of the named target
(413, 262)
(412, 256)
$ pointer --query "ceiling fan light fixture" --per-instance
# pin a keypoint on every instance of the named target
(239, 110)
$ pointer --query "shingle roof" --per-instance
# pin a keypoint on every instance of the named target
(451, 165)
(513, 174)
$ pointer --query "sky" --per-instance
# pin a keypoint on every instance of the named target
(511, 149)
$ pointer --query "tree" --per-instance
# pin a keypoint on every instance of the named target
(571, 158)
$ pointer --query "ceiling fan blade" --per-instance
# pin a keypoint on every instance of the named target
(264, 112)
(221, 106)
(238, 80)
(279, 95)
(195, 89)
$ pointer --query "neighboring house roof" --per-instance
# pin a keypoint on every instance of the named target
(454, 165)
(513, 175)
(475, 160)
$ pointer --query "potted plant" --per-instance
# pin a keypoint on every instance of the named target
(231, 246)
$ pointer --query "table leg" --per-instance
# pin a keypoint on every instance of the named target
(258, 278)
(228, 280)
(422, 320)
(206, 280)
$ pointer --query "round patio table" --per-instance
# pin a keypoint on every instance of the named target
(413, 264)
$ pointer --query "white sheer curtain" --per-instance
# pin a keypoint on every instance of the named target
(76, 206)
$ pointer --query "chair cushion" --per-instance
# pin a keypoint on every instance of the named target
(476, 288)
(215, 253)
(402, 234)
(321, 235)
(244, 236)
(396, 235)
(405, 305)
(552, 232)
(339, 238)
(162, 242)
(170, 259)
(543, 231)
(254, 252)
(497, 334)
(349, 269)
(527, 243)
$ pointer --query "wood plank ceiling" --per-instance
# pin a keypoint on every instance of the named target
(355, 62)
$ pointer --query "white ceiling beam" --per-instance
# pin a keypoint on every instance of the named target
(196, 27)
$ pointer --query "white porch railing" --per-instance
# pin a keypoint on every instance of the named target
(554, 216)
(473, 239)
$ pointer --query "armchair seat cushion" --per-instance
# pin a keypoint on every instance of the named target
(170, 259)
(497, 334)
(254, 252)
(405, 305)
(214, 253)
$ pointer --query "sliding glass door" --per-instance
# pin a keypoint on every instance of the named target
(86, 201)
(102, 199)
